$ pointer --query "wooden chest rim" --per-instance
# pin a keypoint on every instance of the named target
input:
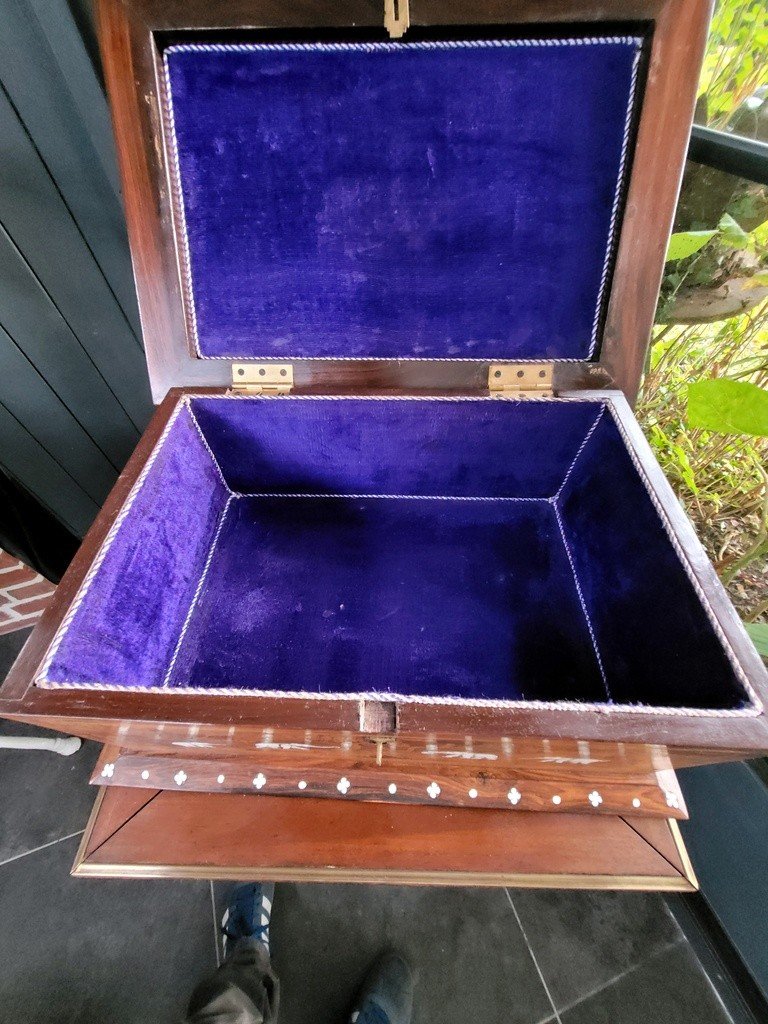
(100, 713)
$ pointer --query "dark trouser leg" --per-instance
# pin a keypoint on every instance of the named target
(244, 990)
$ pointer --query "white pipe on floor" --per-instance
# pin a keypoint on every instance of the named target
(64, 745)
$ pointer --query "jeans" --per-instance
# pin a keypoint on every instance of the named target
(244, 990)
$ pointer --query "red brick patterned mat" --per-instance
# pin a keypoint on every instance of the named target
(24, 594)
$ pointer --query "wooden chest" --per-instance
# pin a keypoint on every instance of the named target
(394, 535)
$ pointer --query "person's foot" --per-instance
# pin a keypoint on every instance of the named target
(248, 914)
(387, 993)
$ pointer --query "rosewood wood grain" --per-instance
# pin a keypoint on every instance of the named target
(286, 773)
(199, 835)
(130, 33)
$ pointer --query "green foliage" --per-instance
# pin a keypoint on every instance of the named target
(728, 407)
(736, 66)
(720, 477)
(686, 243)
(704, 403)
(733, 234)
(758, 633)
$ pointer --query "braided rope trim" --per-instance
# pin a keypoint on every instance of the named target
(496, 397)
(393, 497)
(618, 196)
(582, 602)
(402, 47)
(66, 622)
(198, 591)
(177, 194)
(757, 706)
(404, 698)
(208, 448)
(581, 448)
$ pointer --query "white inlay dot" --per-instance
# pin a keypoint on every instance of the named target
(473, 794)
(556, 799)
(343, 785)
(594, 798)
(145, 775)
(392, 788)
(108, 771)
(434, 790)
(636, 802)
(220, 779)
(302, 784)
(180, 778)
(260, 780)
(514, 795)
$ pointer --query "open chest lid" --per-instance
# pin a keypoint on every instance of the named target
(447, 200)
(399, 213)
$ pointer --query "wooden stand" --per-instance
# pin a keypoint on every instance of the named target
(135, 833)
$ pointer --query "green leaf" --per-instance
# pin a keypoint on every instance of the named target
(758, 634)
(686, 243)
(732, 233)
(728, 407)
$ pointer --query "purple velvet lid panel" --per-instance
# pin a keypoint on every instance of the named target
(436, 200)
(125, 622)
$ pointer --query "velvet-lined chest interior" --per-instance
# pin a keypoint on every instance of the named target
(438, 550)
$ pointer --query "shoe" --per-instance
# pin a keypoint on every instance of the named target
(387, 993)
(248, 914)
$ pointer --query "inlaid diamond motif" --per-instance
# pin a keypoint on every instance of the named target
(514, 795)
(594, 798)
(434, 790)
(180, 778)
(260, 780)
(343, 785)
(108, 771)
(672, 799)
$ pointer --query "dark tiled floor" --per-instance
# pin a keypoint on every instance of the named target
(89, 951)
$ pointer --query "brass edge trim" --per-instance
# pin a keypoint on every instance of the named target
(524, 881)
(682, 852)
(86, 836)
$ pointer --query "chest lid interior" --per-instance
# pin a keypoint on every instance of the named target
(497, 186)
(447, 199)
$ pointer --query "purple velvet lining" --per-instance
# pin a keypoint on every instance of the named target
(365, 446)
(401, 200)
(656, 641)
(124, 632)
(419, 597)
(470, 596)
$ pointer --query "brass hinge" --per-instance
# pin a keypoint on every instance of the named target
(521, 380)
(397, 17)
(262, 378)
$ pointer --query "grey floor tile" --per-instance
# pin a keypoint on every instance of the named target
(471, 959)
(584, 939)
(670, 988)
(43, 796)
(97, 951)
